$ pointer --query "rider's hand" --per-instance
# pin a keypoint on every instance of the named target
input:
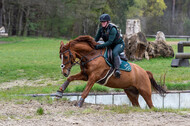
(96, 46)
(100, 46)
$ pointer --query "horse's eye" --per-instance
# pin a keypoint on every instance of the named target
(65, 57)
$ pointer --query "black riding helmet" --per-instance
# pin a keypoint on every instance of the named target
(104, 17)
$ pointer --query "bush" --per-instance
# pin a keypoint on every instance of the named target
(186, 26)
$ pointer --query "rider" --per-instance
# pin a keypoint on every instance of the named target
(112, 39)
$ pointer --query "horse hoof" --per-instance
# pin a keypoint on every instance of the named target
(78, 105)
(59, 94)
(80, 102)
(75, 104)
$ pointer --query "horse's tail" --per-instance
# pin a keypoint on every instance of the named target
(157, 87)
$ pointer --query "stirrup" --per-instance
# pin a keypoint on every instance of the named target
(117, 73)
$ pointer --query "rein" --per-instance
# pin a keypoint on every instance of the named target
(83, 63)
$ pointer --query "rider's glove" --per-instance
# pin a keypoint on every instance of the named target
(97, 46)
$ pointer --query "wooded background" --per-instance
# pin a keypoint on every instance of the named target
(71, 18)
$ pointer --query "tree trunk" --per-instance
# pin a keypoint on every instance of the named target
(84, 27)
(4, 16)
(27, 21)
(20, 23)
(1, 23)
(173, 11)
(10, 22)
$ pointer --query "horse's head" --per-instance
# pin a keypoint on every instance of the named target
(80, 47)
(67, 57)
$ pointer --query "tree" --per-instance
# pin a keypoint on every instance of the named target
(119, 11)
(146, 8)
(61, 17)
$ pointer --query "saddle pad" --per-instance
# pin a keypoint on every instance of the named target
(123, 66)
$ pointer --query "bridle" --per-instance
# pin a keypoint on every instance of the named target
(70, 60)
(81, 62)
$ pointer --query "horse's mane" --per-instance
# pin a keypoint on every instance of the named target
(85, 38)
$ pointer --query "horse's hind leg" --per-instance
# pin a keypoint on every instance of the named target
(146, 94)
(133, 95)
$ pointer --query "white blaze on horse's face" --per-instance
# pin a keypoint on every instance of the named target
(65, 63)
(62, 65)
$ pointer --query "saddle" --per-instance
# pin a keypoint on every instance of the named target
(124, 65)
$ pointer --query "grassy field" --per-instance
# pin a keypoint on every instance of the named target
(38, 58)
(29, 58)
(169, 39)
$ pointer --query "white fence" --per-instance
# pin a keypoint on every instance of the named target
(172, 99)
(175, 100)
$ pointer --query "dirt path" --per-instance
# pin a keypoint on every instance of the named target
(24, 82)
(63, 113)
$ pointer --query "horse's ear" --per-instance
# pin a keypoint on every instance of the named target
(61, 43)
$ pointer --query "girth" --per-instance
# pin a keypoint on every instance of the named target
(104, 80)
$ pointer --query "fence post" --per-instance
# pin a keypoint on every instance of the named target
(180, 47)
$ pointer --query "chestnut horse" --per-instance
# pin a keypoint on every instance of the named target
(94, 67)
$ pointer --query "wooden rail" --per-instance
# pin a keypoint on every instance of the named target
(181, 58)
(171, 36)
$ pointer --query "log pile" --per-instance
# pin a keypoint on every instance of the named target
(137, 47)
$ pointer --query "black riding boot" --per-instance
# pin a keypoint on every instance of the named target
(116, 65)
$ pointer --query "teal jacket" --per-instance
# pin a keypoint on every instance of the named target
(112, 40)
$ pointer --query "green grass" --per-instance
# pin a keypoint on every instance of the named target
(35, 58)
(168, 39)
(179, 86)
(29, 58)
(18, 92)
(160, 66)
(122, 109)
(40, 111)
(69, 113)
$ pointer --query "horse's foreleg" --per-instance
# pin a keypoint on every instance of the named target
(86, 92)
(78, 76)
